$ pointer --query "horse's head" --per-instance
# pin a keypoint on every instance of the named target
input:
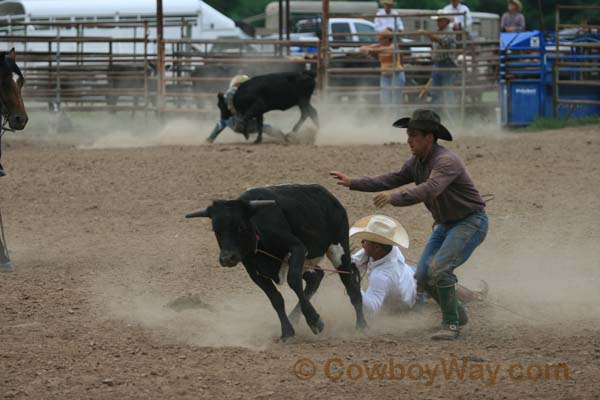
(11, 82)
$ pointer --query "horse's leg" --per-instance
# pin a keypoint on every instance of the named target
(5, 263)
(2, 173)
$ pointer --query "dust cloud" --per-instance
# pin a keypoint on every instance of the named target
(247, 320)
(539, 279)
(340, 124)
(530, 283)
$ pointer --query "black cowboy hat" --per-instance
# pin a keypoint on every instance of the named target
(427, 121)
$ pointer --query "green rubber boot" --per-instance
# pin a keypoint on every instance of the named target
(449, 305)
(463, 317)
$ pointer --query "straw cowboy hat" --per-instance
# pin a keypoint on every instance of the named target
(441, 14)
(392, 2)
(517, 3)
(238, 80)
(425, 120)
(380, 229)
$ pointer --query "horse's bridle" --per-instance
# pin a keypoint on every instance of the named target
(3, 121)
(4, 117)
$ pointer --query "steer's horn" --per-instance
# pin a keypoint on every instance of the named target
(256, 204)
(199, 213)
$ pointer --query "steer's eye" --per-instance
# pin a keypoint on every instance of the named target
(241, 228)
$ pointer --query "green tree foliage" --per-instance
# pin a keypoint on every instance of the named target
(239, 9)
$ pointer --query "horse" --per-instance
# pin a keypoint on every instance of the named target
(12, 112)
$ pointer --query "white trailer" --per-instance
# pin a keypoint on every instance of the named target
(201, 22)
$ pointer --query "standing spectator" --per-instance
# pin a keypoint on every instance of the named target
(387, 22)
(513, 20)
(392, 77)
(454, 7)
(442, 40)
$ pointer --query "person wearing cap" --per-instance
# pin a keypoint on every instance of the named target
(443, 42)
(392, 77)
(513, 20)
(447, 190)
(391, 280)
(382, 21)
(458, 21)
(233, 121)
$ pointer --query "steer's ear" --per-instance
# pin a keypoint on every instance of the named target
(257, 204)
(205, 213)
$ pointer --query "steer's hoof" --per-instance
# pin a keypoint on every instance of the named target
(317, 327)
(362, 326)
(258, 141)
(286, 338)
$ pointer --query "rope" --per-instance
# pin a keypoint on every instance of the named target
(306, 267)
(327, 269)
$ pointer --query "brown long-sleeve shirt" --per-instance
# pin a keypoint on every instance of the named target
(442, 183)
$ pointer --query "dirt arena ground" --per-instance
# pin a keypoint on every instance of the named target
(115, 295)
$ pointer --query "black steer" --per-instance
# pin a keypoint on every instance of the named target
(278, 228)
(279, 91)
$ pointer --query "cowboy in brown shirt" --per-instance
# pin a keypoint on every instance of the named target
(447, 190)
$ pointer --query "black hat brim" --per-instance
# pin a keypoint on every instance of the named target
(441, 132)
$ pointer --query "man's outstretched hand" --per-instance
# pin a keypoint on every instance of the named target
(382, 199)
(341, 179)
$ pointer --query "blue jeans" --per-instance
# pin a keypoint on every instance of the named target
(442, 78)
(449, 246)
(229, 123)
(390, 91)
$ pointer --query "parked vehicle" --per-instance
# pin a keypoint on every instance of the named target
(201, 22)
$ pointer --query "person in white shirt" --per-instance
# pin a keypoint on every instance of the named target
(387, 22)
(391, 280)
(456, 6)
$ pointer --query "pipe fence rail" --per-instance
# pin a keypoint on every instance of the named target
(72, 67)
(348, 73)
(576, 65)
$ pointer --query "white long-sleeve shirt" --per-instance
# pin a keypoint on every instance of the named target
(388, 22)
(459, 18)
(390, 280)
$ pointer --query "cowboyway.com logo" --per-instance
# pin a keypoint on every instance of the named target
(337, 369)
